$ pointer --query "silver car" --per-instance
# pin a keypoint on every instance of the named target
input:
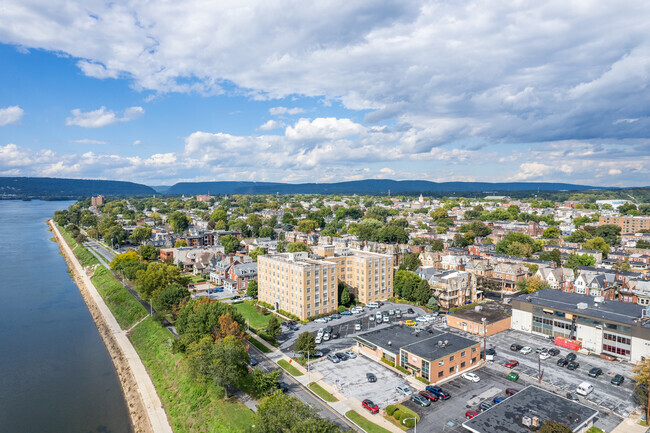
(404, 390)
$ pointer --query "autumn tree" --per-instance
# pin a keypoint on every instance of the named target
(229, 327)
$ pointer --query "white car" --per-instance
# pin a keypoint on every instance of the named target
(319, 339)
(378, 316)
(471, 377)
(371, 317)
(421, 319)
(544, 355)
(350, 354)
(525, 350)
(326, 337)
(386, 319)
(320, 320)
(404, 389)
(356, 310)
(320, 332)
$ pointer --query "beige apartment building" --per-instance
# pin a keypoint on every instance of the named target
(628, 224)
(307, 287)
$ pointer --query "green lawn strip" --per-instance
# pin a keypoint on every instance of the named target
(290, 368)
(192, 406)
(255, 342)
(86, 258)
(368, 426)
(322, 393)
(126, 309)
(594, 429)
(255, 319)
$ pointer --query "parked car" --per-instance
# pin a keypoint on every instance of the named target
(335, 359)
(525, 350)
(429, 395)
(585, 388)
(470, 414)
(253, 362)
(342, 356)
(326, 337)
(489, 354)
(371, 317)
(511, 391)
(335, 316)
(617, 379)
(357, 325)
(553, 352)
(404, 389)
(318, 339)
(498, 400)
(514, 376)
(516, 347)
(283, 387)
(540, 349)
(317, 354)
(335, 335)
(294, 327)
(371, 377)
(234, 298)
(410, 311)
(571, 357)
(346, 313)
(411, 323)
(420, 319)
(398, 313)
(378, 316)
(418, 399)
(512, 363)
(483, 406)
(573, 365)
(320, 320)
(471, 377)
(443, 395)
(544, 355)
(386, 319)
(373, 305)
(572, 397)
(562, 362)
(350, 354)
(368, 404)
(595, 372)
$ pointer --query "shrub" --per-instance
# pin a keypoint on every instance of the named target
(397, 415)
(390, 409)
(422, 379)
(264, 304)
(385, 361)
(342, 308)
(289, 315)
(410, 422)
(402, 369)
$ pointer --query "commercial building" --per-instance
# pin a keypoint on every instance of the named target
(480, 320)
(619, 329)
(628, 224)
(528, 410)
(434, 356)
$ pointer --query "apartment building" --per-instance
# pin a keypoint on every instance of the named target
(295, 283)
(628, 224)
(368, 275)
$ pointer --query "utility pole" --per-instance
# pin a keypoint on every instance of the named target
(539, 368)
(483, 319)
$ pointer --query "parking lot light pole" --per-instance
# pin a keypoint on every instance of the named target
(539, 367)
(416, 423)
(483, 319)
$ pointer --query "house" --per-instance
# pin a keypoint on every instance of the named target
(455, 288)
(557, 278)
(480, 320)
(507, 274)
(240, 275)
(596, 284)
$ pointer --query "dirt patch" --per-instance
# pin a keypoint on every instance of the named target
(137, 411)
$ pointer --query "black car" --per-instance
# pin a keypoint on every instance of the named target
(553, 352)
(371, 377)
(234, 298)
(253, 362)
(283, 386)
(573, 365)
(595, 372)
(293, 327)
(572, 397)
(410, 311)
(562, 362)
(342, 356)
(516, 347)
(444, 395)
(617, 379)
(571, 357)
(335, 316)
(491, 351)
(483, 406)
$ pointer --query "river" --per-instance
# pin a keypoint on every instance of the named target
(55, 372)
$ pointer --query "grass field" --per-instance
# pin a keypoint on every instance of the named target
(192, 406)
(322, 393)
(68, 237)
(126, 309)
(255, 319)
(290, 368)
(408, 412)
(85, 257)
(255, 342)
(368, 426)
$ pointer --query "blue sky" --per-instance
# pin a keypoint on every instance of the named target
(157, 93)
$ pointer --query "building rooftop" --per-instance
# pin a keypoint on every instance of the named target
(491, 314)
(509, 415)
(423, 344)
(622, 312)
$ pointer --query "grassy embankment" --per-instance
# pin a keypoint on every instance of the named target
(368, 426)
(84, 256)
(126, 309)
(191, 406)
(322, 392)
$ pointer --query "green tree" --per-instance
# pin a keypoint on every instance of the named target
(140, 234)
(200, 317)
(256, 253)
(273, 327)
(281, 413)
(180, 243)
(552, 233)
(422, 293)
(225, 362)
(643, 244)
(574, 261)
(392, 234)
(345, 298)
(503, 245)
(156, 277)
(306, 344)
(230, 243)
(179, 222)
(642, 382)
(148, 252)
(578, 236)
(288, 218)
(554, 256)
(609, 232)
(306, 226)
(411, 261)
(520, 249)
(219, 215)
(296, 247)
(265, 383)
(532, 284)
(115, 235)
(597, 244)
(170, 296)
(432, 303)
(251, 290)
(266, 232)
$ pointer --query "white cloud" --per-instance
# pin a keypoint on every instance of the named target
(102, 117)
(10, 114)
(272, 124)
(89, 141)
(278, 111)
(614, 172)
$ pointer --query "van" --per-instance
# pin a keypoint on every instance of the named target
(585, 388)
(373, 305)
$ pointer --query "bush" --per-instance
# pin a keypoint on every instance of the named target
(289, 315)
(390, 409)
(422, 379)
(262, 310)
(410, 422)
(402, 369)
(264, 304)
(397, 414)
(342, 308)
(464, 307)
(385, 361)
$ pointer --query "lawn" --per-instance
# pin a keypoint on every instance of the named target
(86, 258)
(368, 426)
(408, 412)
(126, 309)
(322, 393)
(67, 236)
(192, 406)
(195, 278)
(290, 368)
(255, 342)
(255, 319)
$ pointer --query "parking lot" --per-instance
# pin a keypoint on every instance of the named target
(615, 398)
(349, 378)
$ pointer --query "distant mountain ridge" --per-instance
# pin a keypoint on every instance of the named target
(368, 186)
(57, 188)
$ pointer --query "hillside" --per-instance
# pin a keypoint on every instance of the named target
(55, 188)
(369, 186)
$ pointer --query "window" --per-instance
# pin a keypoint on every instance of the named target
(451, 358)
(441, 373)
(451, 369)
(462, 354)
(462, 364)
(441, 363)
(473, 349)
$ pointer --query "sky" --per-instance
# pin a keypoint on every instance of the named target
(158, 92)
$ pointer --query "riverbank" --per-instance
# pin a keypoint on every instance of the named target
(145, 408)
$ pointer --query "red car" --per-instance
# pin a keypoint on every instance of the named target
(470, 414)
(512, 363)
(429, 395)
(368, 404)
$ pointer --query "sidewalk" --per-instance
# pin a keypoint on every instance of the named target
(343, 405)
(630, 424)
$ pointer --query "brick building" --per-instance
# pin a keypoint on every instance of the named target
(471, 320)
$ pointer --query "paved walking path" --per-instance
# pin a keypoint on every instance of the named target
(155, 411)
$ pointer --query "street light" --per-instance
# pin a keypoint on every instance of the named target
(483, 319)
(416, 423)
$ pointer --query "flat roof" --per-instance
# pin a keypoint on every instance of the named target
(491, 314)
(507, 416)
(422, 343)
(623, 312)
